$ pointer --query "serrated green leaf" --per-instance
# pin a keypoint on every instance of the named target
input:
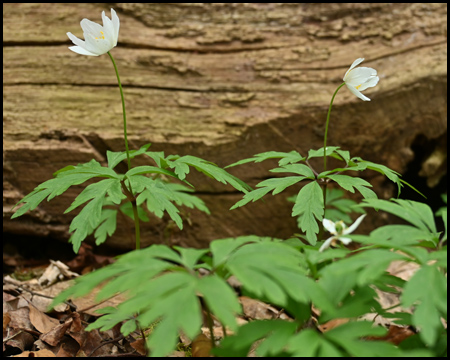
(181, 168)
(221, 299)
(427, 289)
(189, 256)
(300, 169)
(279, 184)
(107, 227)
(139, 170)
(319, 152)
(252, 196)
(127, 209)
(286, 158)
(309, 207)
(416, 213)
(158, 197)
(221, 249)
(350, 183)
(99, 190)
(116, 157)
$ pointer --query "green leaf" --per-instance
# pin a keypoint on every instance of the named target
(100, 189)
(116, 157)
(221, 299)
(182, 164)
(309, 206)
(349, 337)
(300, 169)
(349, 183)
(189, 256)
(416, 213)
(127, 209)
(286, 158)
(107, 227)
(427, 289)
(284, 278)
(139, 170)
(319, 152)
(222, 249)
(157, 196)
(309, 343)
(182, 197)
(239, 345)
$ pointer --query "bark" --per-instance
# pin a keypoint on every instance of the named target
(222, 82)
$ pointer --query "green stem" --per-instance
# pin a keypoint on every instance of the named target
(324, 186)
(123, 111)
(326, 130)
(130, 194)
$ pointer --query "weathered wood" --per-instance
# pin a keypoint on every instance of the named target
(219, 81)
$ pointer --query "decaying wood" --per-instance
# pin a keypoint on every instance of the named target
(219, 81)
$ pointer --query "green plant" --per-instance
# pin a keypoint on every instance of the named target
(312, 285)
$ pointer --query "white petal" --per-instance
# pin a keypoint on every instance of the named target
(116, 24)
(81, 51)
(354, 225)
(108, 29)
(326, 244)
(371, 82)
(360, 76)
(355, 63)
(330, 226)
(345, 240)
(357, 93)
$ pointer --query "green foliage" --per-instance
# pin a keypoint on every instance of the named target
(309, 206)
(147, 185)
(291, 275)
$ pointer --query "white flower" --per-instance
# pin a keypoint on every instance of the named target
(98, 39)
(360, 79)
(338, 229)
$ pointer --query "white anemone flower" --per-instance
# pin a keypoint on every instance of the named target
(98, 39)
(338, 229)
(361, 78)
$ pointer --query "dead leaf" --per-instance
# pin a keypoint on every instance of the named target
(332, 324)
(54, 336)
(42, 322)
(39, 353)
(396, 334)
(201, 346)
(139, 346)
(54, 272)
(258, 310)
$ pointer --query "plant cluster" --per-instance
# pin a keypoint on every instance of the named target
(305, 276)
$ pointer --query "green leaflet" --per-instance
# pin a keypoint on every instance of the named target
(430, 301)
(181, 168)
(116, 157)
(286, 158)
(309, 206)
(350, 183)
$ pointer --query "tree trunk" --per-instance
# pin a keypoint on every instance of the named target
(222, 82)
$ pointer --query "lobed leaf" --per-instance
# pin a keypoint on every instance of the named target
(116, 157)
(286, 158)
(309, 207)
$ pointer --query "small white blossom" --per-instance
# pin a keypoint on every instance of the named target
(339, 229)
(359, 79)
(98, 39)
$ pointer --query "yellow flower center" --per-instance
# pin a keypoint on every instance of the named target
(358, 87)
(103, 37)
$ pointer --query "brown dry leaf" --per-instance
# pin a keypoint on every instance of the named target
(255, 309)
(332, 324)
(42, 322)
(54, 272)
(139, 346)
(39, 353)
(92, 340)
(395, 335)
(54, 336)
(20, 319)
(201, 346)
(22, 341)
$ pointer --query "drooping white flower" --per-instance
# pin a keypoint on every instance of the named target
(361, 78)
(98, 39)
(339, 229)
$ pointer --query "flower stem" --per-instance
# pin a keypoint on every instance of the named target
(326, 129)
(324, 185)
(130, 194)
(123, 111)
